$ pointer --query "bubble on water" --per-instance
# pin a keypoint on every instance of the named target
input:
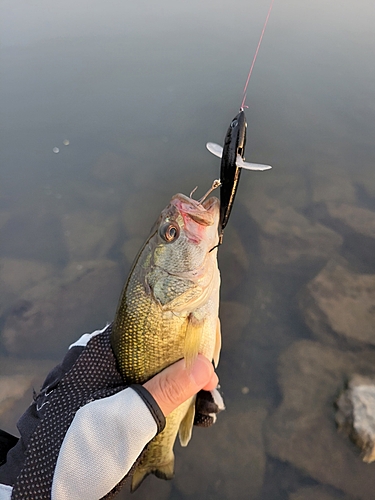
(56, 150)
(66, 142)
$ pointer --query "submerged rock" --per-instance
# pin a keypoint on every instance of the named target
(131, 248)
(33, 235)
(18, 379)
(12, 388)
(226, 461)
(331, 184)
(234, 316)
(234, 261)
(55, 312)
(317, 493)
(338, 303)
(287, 186)
(141, 211)
(93, 196)
(356, 219)
(89, 234)
(356, 225)
(356, 414)
(365, 179)
(17, 275)
(302, 430)
(287, 237)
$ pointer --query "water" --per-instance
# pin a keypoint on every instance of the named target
(106, 108)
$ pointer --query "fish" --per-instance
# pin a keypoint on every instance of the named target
(232, 156)
(169, 310)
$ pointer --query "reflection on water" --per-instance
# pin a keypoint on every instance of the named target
(107, 108)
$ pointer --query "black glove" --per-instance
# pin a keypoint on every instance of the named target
(208, 404)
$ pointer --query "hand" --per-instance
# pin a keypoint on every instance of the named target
(175, 384)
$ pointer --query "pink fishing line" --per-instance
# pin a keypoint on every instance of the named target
(255, 57)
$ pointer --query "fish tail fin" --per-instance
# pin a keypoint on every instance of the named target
(165, 471)
(186, 426)
(137, 479)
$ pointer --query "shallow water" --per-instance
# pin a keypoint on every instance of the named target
(129, 95)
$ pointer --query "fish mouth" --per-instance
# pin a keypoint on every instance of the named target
(196, 217)
(203, 214)
(208, 217)
(211, 203)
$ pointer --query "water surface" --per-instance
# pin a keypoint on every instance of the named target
(129, 93)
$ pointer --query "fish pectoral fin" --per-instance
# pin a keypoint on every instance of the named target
(193, 337)
(215, 149)
(186, 426)
(216, 355)
(251, 166)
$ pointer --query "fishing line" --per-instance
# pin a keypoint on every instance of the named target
(244, 95)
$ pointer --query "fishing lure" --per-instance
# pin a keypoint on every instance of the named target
(232, 161)
(233, 153)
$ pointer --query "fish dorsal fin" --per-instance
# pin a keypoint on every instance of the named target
(216, 355)
(193, 337)
(251, 166)
(215, 149)
(186, 426)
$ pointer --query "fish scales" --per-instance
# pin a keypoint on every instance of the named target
(168, 311)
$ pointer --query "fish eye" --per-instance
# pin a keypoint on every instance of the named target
(169, 232)
(234, 123)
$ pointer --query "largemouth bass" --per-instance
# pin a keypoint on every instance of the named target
(168, 310)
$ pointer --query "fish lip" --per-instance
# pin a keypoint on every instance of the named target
(209, 206)
(201, 213)
(211, 202)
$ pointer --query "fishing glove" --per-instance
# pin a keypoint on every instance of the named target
(84, 431)
(207, 405)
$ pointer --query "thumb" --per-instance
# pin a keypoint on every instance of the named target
(175, 385)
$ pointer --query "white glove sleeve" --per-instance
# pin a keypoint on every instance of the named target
(102, 443)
